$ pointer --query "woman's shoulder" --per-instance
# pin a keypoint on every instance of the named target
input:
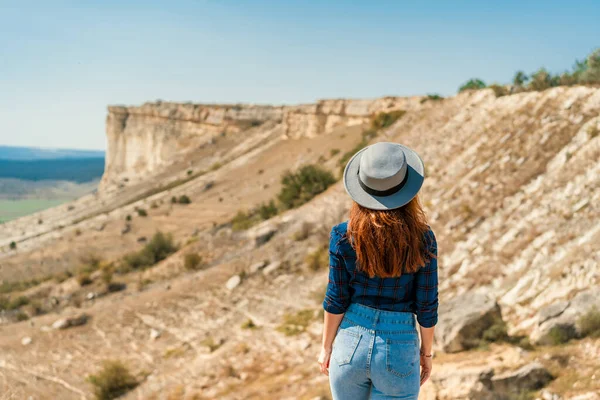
(339, 236)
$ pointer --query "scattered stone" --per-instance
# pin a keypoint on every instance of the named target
(586, 396)
(233, 282)
(560, 318)
(65, 323)
(208, 186)
(142, 239)
(463, 320)
(274, 266)
(548, 395)
(100, 227)
(90, 296)
(154, 334)
(264, 235)
(26, 341)
(126, 229)
(258, 266)
(533, 376)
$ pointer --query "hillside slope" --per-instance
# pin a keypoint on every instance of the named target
(511, 192)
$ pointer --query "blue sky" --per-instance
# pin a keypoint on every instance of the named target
(63, 62)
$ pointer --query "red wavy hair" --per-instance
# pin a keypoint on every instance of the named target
(389, 242)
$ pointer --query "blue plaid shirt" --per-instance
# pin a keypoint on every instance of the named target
(416, 293)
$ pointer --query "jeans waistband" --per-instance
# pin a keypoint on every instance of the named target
(373, 318)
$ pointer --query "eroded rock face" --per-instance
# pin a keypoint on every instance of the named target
(142, 140)
(560, 321)
(464, 319)
(527, 378)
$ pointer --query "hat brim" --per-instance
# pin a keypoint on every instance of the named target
(416, 176)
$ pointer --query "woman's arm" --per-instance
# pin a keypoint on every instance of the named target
(337, 299)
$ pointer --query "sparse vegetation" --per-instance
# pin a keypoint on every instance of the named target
(160, 247)
(472, 84)
(589, 323)
(318, 259)
(248, 324)
(13, 245)
(334, 152)
(8, 305)
(128, 218)
(560, 334)
(211, 344)
(184, 199)
(84, 279)
(174, 200)
(141, 212)
(192, 261)
(19, 286)
(584, 72)
(114, 380)
(301, 186)
(384, 120)
(296, 323)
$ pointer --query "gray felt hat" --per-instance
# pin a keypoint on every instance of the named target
(384, 176)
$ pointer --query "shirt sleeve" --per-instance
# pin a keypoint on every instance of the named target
(426, 281)
(337, 295)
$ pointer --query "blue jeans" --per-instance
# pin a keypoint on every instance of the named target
(375, 355)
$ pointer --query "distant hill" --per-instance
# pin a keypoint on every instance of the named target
(62, 169)
(34, 153)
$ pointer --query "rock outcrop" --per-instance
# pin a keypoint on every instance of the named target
(463, 320)
(141, 140)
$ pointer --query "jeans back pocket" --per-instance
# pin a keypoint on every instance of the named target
(402, 356)
(344, 346)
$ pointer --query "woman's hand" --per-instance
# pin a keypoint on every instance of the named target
(426, 365)
(324, 360)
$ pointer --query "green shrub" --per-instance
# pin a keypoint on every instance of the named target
(128, 217)
(267, 210)
(249, 324)
(174, 200)
(142, 213)
(520, 79)
(244, 220)
(560, 334)
(192, 261)
(386, 119)
(296, 323)
(13, 245)
(434, 97)
(496, 333)
(159, 248)
(183, 199)
(189, 172)
(499, 90)
(7, 304)
(301, 186)
(541, 80)
(589, 323)
(114, 380)
(318, 259)
(472, 84)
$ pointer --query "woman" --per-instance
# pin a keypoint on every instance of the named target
(382, 281)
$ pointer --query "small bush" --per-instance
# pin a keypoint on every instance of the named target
(160, 247)
(174, 200)
(301, 186)
(499, 90)
(141, 212)
(434, 97)
(386, 119)
(249, 324)
(210, 343)
(84, 279)
(192, 261)
(128, 217)
(589, 323)
(8, 305)
(267, 210)
(183, 199)
(496, 333)
(243, 220)
(560, 334)
(334, 152)
(472, 84)
(153, 205)
(216, 166)
(296, 323)
(114, 380)
(189, 172)
(13, 245)
(318, 259)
